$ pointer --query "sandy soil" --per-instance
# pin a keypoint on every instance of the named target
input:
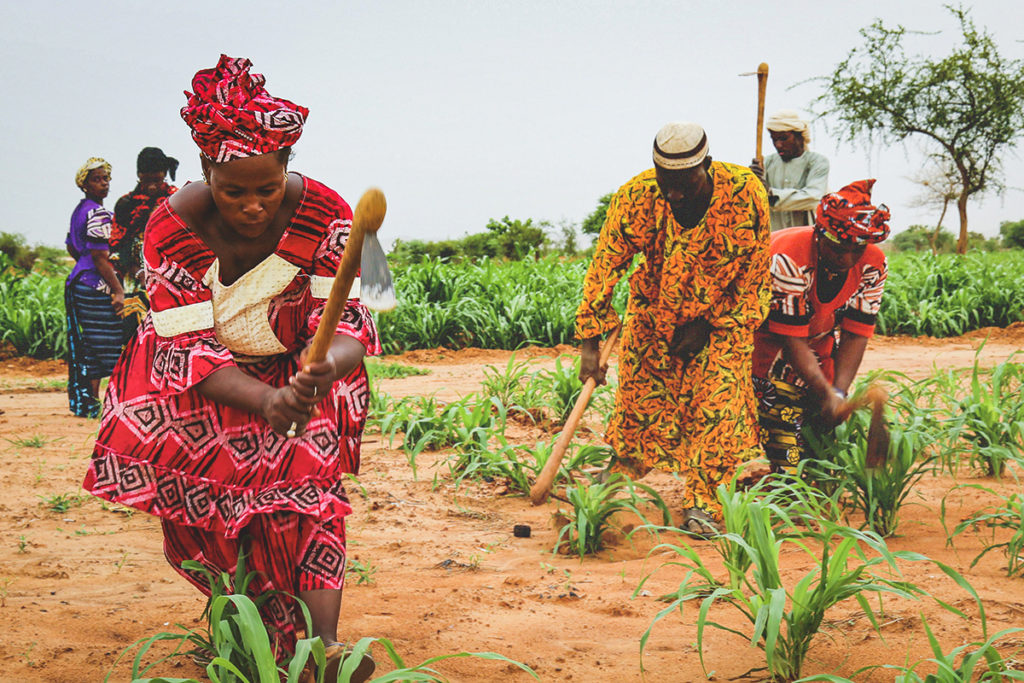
(77, 587)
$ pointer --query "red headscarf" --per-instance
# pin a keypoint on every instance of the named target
(849, 216)
(232, 115)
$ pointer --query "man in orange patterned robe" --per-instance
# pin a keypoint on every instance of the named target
(685, 401)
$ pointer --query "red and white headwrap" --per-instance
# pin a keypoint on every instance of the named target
(233, 116)
(849, 216)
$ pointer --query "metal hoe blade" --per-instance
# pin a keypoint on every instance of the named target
(376, 290)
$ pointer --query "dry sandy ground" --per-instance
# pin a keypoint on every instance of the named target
(77, 587)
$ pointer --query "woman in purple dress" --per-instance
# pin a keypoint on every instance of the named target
(93, 295)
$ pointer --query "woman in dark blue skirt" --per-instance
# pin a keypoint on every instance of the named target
(93, 295)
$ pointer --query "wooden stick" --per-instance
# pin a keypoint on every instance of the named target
(368, 216)
(762, 85)
(539, 491)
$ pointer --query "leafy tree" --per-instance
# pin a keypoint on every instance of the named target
(569, 242)
(977, 241)
(517, 238)
(507, 238)
(969, 104)
(415, 251)
(1012, 233)
(922, 237)
(480, 245)
(18, 253)
(593, 223)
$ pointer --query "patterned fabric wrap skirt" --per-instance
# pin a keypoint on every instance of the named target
(781, 408)
(95, 337)
(136, 305)
(288, 552)
(222, 480)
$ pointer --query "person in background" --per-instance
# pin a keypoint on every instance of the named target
(214, 421)
(796, 178)
(685, 401)
(827, 284)
(131, 213)
(93, 295)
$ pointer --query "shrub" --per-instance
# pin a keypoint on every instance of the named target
(593, 223)
(919, 238)
(1012, 233)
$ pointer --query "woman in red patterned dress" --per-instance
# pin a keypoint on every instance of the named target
(213, 421)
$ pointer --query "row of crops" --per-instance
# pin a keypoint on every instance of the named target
(835, 514)
(504, 305)
(835, 510)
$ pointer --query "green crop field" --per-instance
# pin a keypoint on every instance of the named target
(508, 304)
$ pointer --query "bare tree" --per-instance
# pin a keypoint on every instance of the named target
(940, 185)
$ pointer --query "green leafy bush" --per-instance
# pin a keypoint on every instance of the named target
(1012, 233)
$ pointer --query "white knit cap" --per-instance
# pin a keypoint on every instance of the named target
(680, 144)
(789, 119)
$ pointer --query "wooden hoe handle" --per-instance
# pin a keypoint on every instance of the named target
(762, 85)
(539, 491)
(368, 216)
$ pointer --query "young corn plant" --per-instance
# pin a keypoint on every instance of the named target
(377, 369)
(922, 403)
(237, 646)
(476, 428)
(1009, 515)
(594, 507)
(585, 461)
(785, 617)
(977, 662)
(937, 398)
(992, 417)
(560, 387)
(879, 493)
(362, 571)
(381, 405)
(505, 461)
(472, 422)
(514, 386)
(563, 387)
(34, 441)
(423, 424)
(62, 502)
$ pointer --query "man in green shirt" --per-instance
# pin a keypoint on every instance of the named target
(796, 178)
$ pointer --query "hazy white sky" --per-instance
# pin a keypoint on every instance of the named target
(459, 110)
